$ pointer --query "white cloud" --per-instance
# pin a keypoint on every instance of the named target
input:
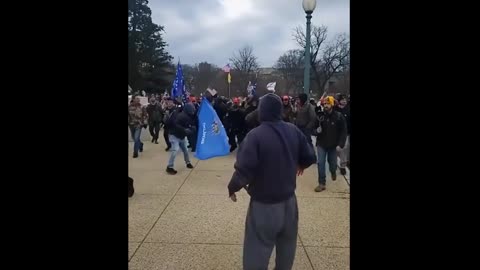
(211, 30)
(235, 9)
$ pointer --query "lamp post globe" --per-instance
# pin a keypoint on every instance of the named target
(309, 5)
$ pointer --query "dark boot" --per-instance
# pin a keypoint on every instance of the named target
(171, 171)
(320, 188)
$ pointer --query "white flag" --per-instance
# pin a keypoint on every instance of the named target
(249, 88)
(212, 92)
(271, 86)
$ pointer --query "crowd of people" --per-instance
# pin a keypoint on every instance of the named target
(274, 137)
(327, 119)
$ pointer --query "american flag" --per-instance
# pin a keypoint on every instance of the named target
(226, 68)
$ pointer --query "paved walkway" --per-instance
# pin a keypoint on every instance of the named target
(187, 221)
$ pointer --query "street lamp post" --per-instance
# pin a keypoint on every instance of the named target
(308, 6)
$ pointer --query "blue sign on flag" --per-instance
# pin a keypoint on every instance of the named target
(212, 140)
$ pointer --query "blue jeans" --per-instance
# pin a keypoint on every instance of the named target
(176, 144)
(332, 162)
(137, 144)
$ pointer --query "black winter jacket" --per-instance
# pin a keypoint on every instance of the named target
(333, 130)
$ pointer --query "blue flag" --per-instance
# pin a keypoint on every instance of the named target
(185, 95)
(178, 88)
(212, 140)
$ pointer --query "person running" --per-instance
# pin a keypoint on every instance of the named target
(180, 126)
(287, 114)
(137, 119)
(251, 113)
(236, 125)
(155, 116)
(268, 162)
(343, 154)
(331, 133)
(169, 109)
(305, 116)
(220, 107)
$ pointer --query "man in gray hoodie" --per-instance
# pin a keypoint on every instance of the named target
(268, 162)
(305, 117)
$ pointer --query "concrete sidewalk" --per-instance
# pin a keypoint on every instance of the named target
(187, 221)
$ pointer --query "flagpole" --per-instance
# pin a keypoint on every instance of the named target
(226, 69)
(228, 81)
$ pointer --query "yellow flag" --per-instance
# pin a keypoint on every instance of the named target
(229, 78)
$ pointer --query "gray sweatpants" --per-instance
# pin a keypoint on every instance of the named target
(270, 225)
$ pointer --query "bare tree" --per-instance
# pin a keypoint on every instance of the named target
(291, 65)
(200, 76)
(336, 58)
(326, 58)
(189, 75)
(317, 39)
(245, 63)
(206, 75)
(343, 82)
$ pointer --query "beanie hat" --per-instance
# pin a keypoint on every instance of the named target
(329, 100)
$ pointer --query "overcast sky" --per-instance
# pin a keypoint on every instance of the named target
(212, 30)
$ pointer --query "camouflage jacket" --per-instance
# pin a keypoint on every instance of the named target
(287, 114)
(137, 116)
